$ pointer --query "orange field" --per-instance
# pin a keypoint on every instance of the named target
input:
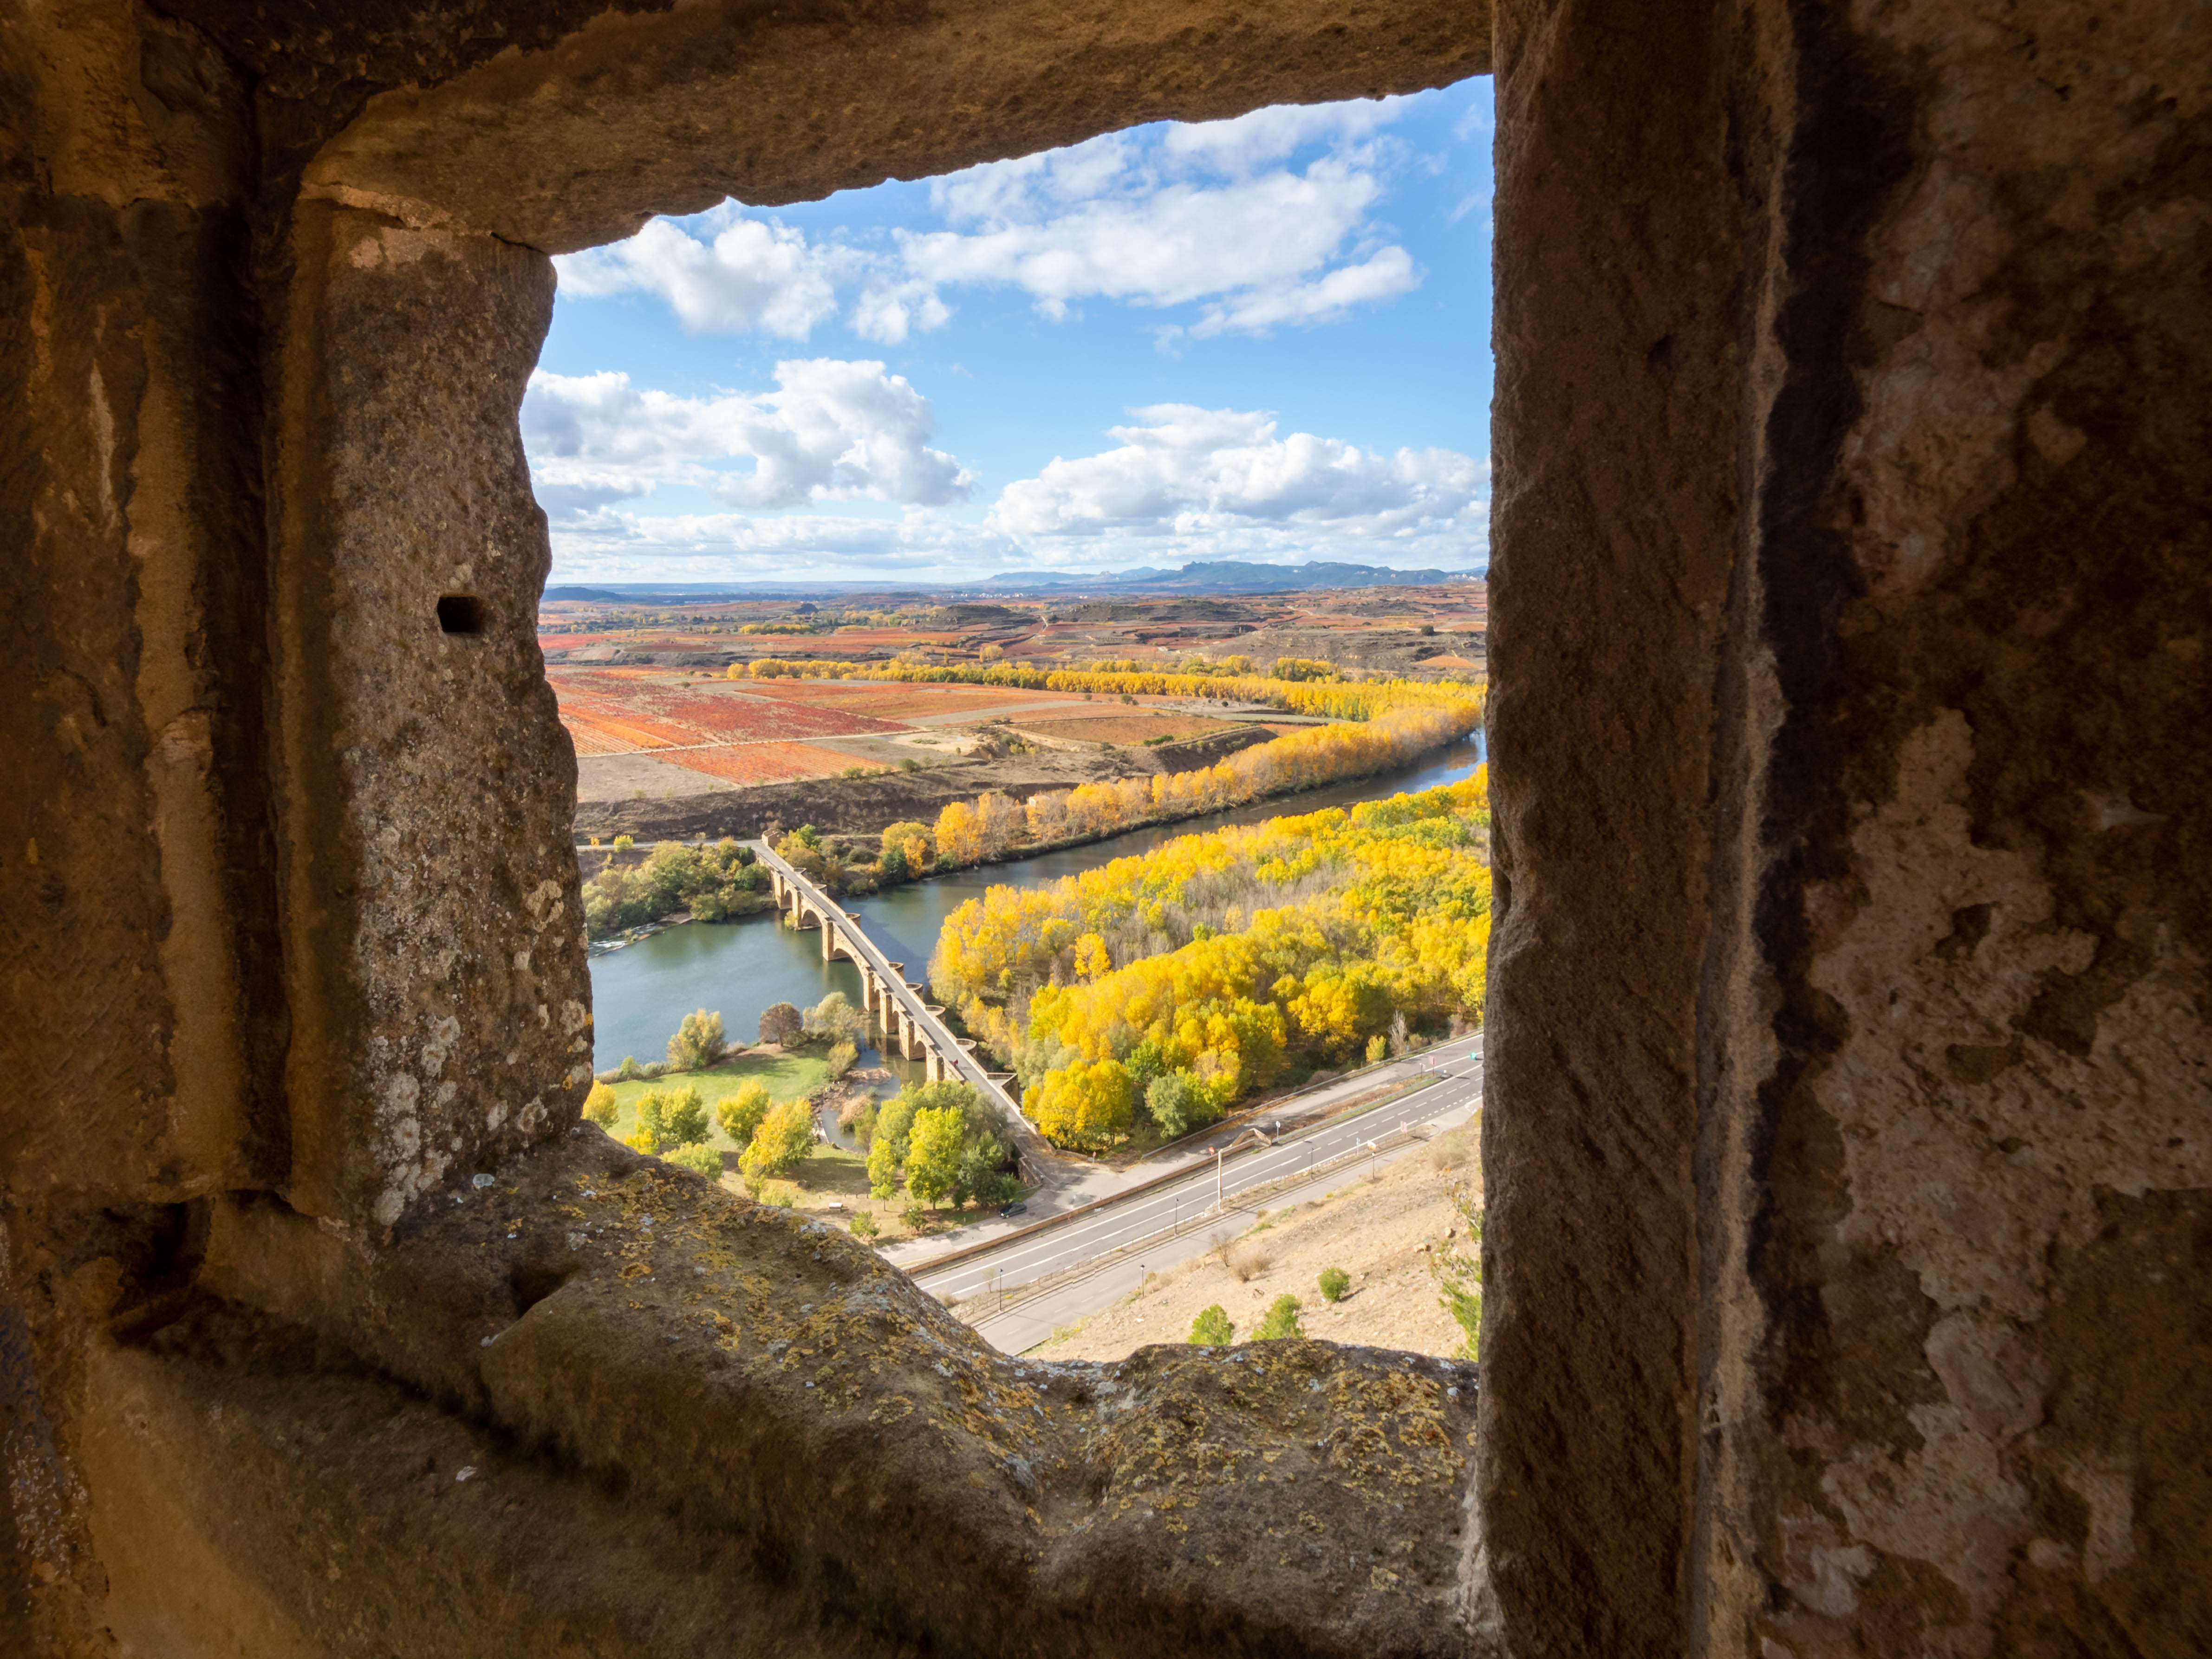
(766, 763)
(616, 711)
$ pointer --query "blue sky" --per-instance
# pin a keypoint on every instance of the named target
(1266, 339)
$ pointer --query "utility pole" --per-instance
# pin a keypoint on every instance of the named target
(1220, 1208)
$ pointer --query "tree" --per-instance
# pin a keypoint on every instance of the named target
(1378, 1049)
(1282, 1321)
(834, 1020)
(841, 1058)
(933, 1157)
(864, 1225)
(669, 1117)
(601, 1107)
(740, 1113)
(1211, 1328)
(630, 1071)
(1169, 1097)
(684, 1115)
(884, 1155)
(780, 1024)
(699, 1042)
(892, 866)
(781, 1144)
(959, 835)
(1335, 1282)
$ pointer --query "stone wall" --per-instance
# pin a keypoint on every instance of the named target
(1851, 1154)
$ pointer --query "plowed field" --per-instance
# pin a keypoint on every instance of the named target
(765, 763)
(619, 711)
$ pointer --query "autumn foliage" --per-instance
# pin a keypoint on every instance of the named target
(1173, 983)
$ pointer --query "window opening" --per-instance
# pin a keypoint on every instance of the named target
(1163, 458)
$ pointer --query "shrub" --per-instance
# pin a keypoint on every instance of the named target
(1246, 1260)
(629, 1071)
(864, 1224)
(1378, 1049)
(779, 1196)
(1335, 1282)
(623, 843)
(600, 1107)
(841, 1058)
(740, 1113)
(1282, 1321)
(1211, 1328)
(781, 1025)
(698, 1043)
(700, 1160)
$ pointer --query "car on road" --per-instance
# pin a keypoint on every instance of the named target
(1016, 1208)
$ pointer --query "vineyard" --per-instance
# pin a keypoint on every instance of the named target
(614, 712)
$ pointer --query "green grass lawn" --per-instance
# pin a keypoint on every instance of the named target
(785, 1075)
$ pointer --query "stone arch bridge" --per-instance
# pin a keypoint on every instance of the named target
(908, 1023)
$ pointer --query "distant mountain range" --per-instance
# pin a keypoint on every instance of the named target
(1216, 576)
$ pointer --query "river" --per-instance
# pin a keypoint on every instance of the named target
(640, 994)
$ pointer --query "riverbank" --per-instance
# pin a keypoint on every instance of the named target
(864, 805)
(640, 993)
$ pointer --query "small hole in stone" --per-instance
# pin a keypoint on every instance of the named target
(460, 613)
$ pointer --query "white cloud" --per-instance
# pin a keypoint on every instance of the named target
(832, 430)
(1215, 213)
(744, 274)
(1196, 213)
(1192, 471)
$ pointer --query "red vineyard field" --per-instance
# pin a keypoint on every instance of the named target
(617, 711)
(766, 763)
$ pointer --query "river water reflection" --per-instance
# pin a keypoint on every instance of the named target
(640, 994)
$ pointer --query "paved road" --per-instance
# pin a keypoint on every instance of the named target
(1021, 1325)
(1118, 1223)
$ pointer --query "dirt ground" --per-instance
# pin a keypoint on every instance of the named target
(1374, 1230)
(1124, 728)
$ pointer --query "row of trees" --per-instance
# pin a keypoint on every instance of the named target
(990, 827)
(1154, 991)
(715, 884)
(1344, 698)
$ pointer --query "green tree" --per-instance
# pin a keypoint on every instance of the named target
(834, 1020)
(698, 1042)
(932, 1156)
(884, 1155)
(1172, 1103)
(700, 1160)
(781, 1144)
(1211, 1328)
(1282, 1321)
(841, 1057)
(1335, 1282)
(630, 1071)
(864, 1224)
(893, 866)
(740, 1113)
(781, 1025)
(684, 1115)
(601, 1107)
(669, 1117)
